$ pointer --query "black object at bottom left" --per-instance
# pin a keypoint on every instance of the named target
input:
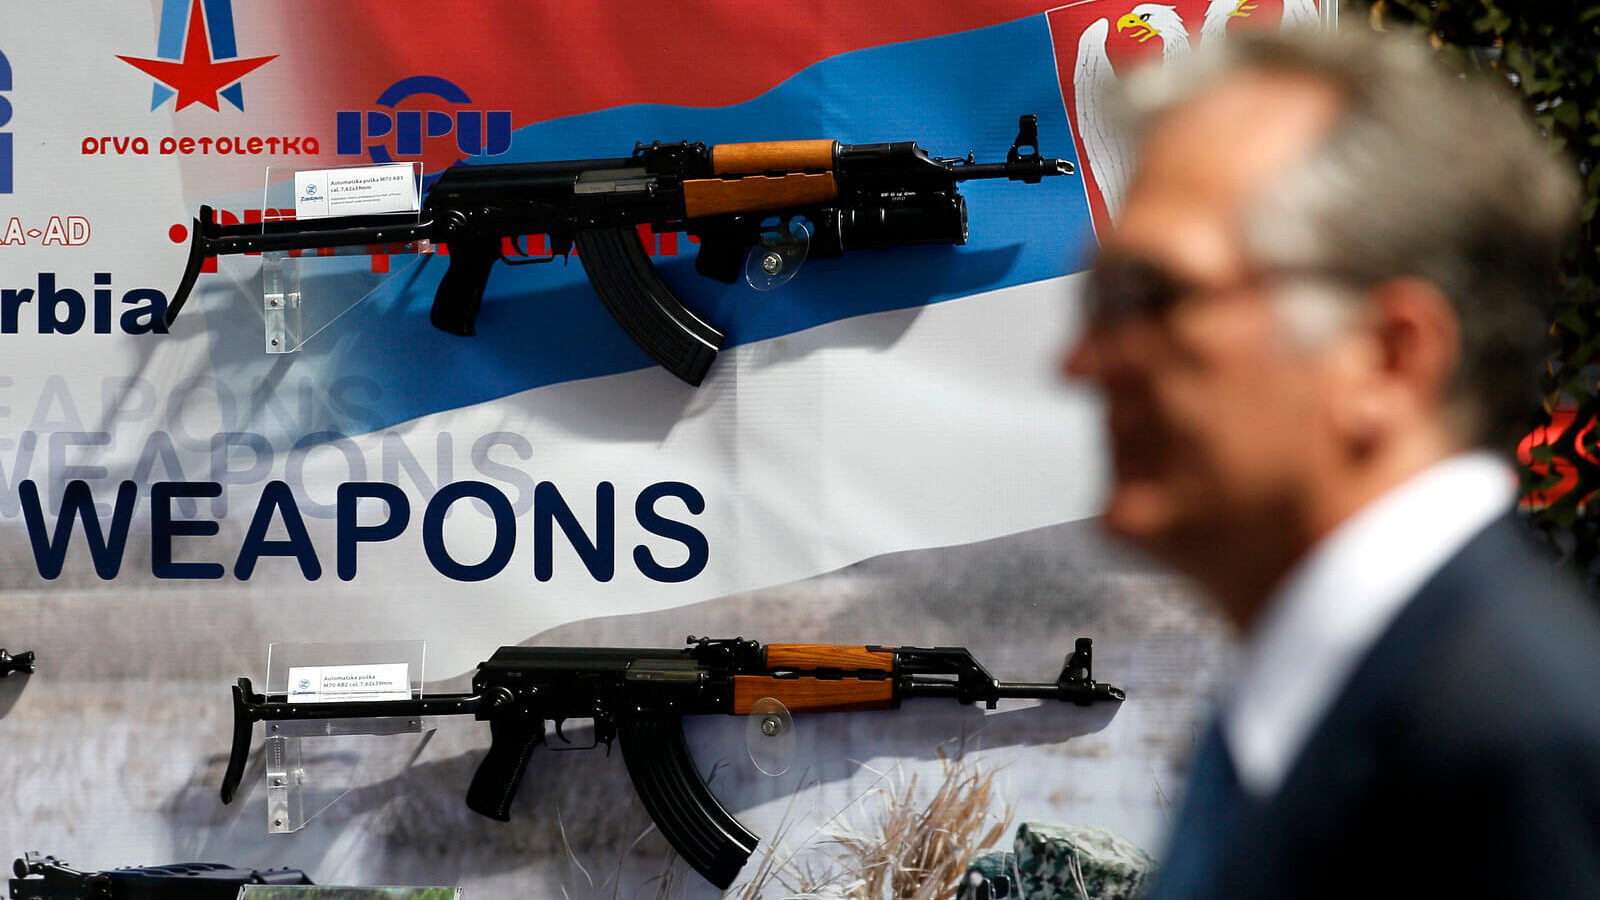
(22, 662)
(41, 877)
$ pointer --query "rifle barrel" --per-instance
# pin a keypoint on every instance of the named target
(1026, 168)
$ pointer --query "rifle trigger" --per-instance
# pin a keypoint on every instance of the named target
(601, 736)
(524, 258)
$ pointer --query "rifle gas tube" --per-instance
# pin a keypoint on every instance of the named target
(857, 196)
(40, 877)
(637, 697)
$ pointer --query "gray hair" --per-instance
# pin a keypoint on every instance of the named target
(1427, 174)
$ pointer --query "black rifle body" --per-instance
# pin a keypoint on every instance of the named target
(637, 697)
(47, 878)
(857, 196)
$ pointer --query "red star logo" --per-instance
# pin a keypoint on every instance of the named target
(197, 77)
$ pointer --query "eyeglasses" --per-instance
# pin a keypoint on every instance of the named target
(1125, 288)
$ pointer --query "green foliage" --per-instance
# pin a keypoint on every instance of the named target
(1550, 52)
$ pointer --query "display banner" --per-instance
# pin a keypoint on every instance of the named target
(881, 453)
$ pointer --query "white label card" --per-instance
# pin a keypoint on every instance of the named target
(332, 684)
(355, 191)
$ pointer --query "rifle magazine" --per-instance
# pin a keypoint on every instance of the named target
(708, 837)
(627, 283)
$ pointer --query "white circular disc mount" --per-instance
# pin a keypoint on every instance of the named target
(777, 256)
(769, 736)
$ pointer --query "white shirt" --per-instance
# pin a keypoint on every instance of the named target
(1336, 602)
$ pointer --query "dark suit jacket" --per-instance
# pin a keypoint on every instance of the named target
(1462, 759)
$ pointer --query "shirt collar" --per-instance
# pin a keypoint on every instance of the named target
(1337, 600)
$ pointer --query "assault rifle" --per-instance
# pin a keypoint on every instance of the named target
(857, 196)
(22, 662)
(637, 698)
(47, 878)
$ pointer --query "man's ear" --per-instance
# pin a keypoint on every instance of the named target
(1419, 340)
(1395, 364)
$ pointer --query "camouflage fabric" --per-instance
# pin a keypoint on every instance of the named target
(1059, 862)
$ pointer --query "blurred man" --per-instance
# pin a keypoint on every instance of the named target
(1319, 313)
